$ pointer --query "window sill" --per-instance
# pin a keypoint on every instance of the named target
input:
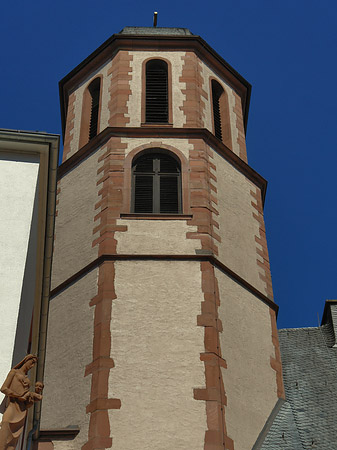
(156, 124)
(156, 216)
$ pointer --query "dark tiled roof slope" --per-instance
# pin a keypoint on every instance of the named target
(308, 418)
(283, 434)
(163, 31)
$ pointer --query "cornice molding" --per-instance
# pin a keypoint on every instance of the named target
(152, 257)
(164, 132)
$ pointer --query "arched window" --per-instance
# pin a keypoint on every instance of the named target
(156, 184)
(221, 120)
(90, 112)
(156, 103)
(94, 90)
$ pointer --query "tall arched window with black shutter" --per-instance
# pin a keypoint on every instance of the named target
(216, 94)
(156, 103)
(90, 112)
(221, 118)
(94, 90)
(156, 186)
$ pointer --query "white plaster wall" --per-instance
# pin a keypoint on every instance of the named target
(134, 103)
(180, 144)
(105, 114)
(246, 345)
(75, 220)
(156, 347)
(156, 237)
(207, 73)
(18, 182)
(238, 227)
(69, 350)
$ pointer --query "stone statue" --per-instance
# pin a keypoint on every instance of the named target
(19, 399)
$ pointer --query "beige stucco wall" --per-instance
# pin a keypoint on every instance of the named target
(75, 220)
(156, 237)
(69, 350)
(238, 227)
(76, 211)
(246, 344)
(156, 348)
(104, 117)
(135, 99)
(207, 74)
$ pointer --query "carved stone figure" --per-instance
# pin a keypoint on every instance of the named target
(19, 399)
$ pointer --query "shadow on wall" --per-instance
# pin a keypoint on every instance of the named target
(25, 314)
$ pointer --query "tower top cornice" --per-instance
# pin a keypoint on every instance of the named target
(153, 38)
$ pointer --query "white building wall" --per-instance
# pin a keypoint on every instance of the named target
(18, 182)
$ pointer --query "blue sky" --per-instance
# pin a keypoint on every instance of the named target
(287, 50)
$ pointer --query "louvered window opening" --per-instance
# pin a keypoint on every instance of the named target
(94, 90)
(156, 185)
(156, 92)
(216, 94)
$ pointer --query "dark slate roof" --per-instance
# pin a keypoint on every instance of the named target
(163, 31)
(308, 418)
(283, 433)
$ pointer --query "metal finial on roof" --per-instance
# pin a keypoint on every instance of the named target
(155, 16)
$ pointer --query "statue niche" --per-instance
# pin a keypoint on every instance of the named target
(18, 399)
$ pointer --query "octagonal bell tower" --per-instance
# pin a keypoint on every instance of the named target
(162, 327)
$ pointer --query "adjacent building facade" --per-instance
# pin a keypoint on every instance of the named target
(162, 326)
(28, 166)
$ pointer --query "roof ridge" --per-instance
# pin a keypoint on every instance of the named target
(301, 328)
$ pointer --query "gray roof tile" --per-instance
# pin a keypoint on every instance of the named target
(308, 418)
(283, 434)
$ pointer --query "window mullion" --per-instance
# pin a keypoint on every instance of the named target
(156, 193)
(179, 194)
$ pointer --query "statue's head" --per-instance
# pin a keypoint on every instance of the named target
(28, 362)
(39, 387)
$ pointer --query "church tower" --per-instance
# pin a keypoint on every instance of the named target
(162, 326)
